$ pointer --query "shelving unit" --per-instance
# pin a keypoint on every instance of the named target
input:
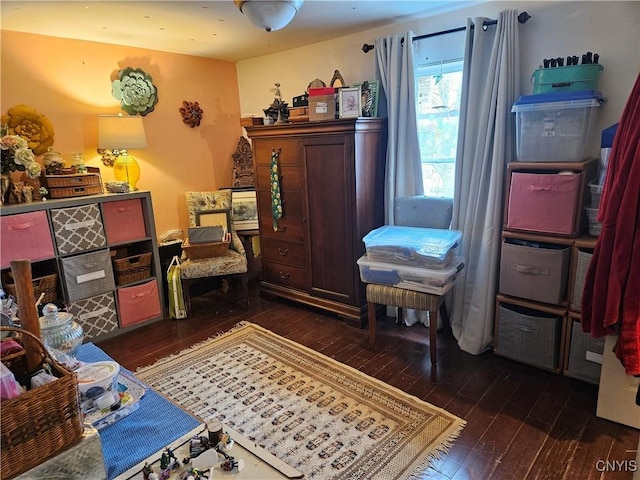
(543, 279)
(77, 239)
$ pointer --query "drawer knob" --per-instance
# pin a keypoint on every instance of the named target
(283, 251)
(284, 275)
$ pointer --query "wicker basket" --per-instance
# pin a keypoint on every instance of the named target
(41, 422)
(47, 284)
(131, 268)
(206, 250)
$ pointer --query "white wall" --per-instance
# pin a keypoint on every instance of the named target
(556, 29)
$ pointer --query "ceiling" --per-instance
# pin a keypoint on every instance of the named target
(213, 29)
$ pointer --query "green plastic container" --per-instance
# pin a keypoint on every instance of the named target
(567, 79)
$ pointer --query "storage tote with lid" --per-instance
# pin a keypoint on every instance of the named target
(554, 127)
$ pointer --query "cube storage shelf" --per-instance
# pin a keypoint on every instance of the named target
(542, 270)
(79, 239)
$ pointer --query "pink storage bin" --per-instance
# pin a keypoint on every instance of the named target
(123, 220)
(542, 202)
(138, 303)
(25, 236)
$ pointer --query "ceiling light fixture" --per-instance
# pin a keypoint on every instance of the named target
(270, 15)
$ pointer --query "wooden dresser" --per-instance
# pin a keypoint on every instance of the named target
(332, 189)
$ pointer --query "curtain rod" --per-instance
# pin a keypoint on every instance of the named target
(522, 18)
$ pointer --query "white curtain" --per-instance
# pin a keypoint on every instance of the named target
(396, 71)
(485, 145)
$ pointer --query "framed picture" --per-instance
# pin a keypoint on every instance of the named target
(349, 101)
(211, 218)
(244, 210)
(369, 93)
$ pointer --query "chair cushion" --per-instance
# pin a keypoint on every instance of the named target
(423, 211)
(228, 264)
(399, 297)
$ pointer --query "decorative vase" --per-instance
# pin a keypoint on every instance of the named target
(5, 189)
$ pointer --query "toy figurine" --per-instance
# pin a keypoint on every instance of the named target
(146, 470)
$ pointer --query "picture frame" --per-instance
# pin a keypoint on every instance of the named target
(350, 103)
(244, 209)
(211, 218)
(369, 94)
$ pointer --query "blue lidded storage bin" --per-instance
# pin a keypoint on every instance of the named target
(413, 246)
(554, 127)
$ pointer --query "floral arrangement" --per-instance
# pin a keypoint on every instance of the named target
(135, 90)
(27, 123)
(16, 155)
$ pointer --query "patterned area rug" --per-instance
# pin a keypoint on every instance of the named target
(323, 418)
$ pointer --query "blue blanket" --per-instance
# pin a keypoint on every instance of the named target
(154, 425)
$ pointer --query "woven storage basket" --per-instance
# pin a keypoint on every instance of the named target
(205, 250)
(41, 422)
(47, 284)
(131, 268)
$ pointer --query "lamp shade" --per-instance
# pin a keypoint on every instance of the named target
(270, 15)
(121, 132)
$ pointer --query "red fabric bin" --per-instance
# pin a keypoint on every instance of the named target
(123, 220)
(25, 236)
(542, 202)
(138, 303)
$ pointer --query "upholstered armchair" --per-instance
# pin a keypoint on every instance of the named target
(232, 265)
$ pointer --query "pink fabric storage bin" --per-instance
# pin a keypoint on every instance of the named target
(542, 202)
(25, 236)
(138, 303)
(123, 220)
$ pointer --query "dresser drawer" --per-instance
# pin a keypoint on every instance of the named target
(88, 274)
(290, 151)
(25, 236)
(290, 229)
(78, 229)
(291, 203)
(285, 275)
(97, 315)
(138, 303)
(124, 220)
(290, 177)
(288, 253)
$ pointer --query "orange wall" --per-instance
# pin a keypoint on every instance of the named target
(69, 81)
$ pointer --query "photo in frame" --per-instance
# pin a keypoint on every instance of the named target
(369, 94)
(244, 210)
(212, 218)
(349, 100)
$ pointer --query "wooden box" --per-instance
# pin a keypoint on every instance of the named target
(74, 184)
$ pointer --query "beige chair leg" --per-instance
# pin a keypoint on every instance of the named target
(371, 307)
(245, 289)
(433, 334)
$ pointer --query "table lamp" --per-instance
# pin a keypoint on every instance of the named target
(116, 134)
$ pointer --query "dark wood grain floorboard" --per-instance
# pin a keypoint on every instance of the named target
(522, 422)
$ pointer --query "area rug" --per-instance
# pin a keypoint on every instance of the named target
(326, 419)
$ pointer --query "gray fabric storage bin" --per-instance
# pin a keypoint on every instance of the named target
(536, 271)
(78, 229)
(97, 315)
(585, 355)
(529, 336)
(88, 275)
(582, 264)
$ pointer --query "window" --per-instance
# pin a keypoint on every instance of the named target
(438, 87)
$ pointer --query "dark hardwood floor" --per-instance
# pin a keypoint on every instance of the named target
(522, 422)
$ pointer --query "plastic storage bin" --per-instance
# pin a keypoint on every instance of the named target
(427, 280)
(554, 127)
(595, 227)
(596, 193)
(412, 246)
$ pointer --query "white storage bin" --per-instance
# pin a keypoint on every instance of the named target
(427, 280)
(554, 127)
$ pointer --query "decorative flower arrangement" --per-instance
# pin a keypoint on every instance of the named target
(16, 156)
(135, 90)
(26, 122)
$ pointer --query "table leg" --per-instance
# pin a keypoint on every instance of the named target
(372, 322)
(433, 334)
